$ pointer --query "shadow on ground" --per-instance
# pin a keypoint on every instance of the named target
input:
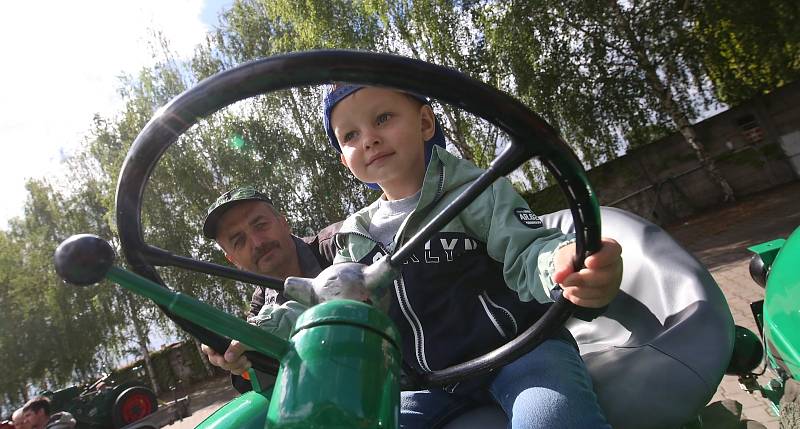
(721, 236)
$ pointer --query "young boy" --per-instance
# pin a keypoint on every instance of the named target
(475, 285)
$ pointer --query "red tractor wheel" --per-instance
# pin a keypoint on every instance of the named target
(133, 404)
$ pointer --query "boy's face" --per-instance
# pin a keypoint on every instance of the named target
(382, 134)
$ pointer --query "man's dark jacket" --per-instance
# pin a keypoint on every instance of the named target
(322, 249)
(317, 255)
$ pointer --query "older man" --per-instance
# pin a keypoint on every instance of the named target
(256, 237)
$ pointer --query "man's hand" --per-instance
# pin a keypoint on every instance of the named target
(233, 360)
(597, 284)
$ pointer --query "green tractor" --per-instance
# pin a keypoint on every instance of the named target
(104, 404)
(656, 356)
(775, 265)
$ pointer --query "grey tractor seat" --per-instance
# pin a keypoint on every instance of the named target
(658, 353)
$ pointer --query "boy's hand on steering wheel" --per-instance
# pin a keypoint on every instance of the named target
(597, 284)
(233, 360)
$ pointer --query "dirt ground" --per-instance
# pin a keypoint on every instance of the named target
(719, 238)
(204, 399)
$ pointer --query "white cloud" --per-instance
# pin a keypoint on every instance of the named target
(61, 62)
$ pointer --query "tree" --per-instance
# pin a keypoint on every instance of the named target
(750, 48)
(600, 71)
(43, 341)
(12, 365)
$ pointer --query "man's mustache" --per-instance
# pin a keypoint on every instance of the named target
(263, 250)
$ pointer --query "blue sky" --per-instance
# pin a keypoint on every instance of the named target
(61, 66)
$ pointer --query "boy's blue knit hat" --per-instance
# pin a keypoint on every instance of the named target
(339, 93)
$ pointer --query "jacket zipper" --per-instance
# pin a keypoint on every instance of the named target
(491, 317)
(440, 189)
(402, 298)
(504, 310)
(405, 304)
(413, 320)
(406, 309)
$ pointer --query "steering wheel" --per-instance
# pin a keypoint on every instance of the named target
(529, 136)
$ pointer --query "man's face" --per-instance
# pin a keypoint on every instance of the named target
(382, 134)
(34, 419)
(255, 238)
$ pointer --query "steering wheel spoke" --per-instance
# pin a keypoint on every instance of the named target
(164, 258)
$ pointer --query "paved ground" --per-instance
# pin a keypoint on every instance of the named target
(718, 238)
(205, 399)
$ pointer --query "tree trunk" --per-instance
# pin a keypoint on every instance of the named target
(141, 340)
(688, 133)
(456, 136)
(671, 107)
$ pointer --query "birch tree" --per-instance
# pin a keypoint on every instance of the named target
(603, 70)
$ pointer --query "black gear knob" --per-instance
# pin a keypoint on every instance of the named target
(83, 259)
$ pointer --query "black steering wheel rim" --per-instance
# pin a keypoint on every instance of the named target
(530, 136)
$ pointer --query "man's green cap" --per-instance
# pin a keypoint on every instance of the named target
(225, 202)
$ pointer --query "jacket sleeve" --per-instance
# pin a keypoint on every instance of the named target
(323, 244)
(515, 237)
(278, 319)
(263, 296)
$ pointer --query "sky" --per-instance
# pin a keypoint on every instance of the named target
(61, 66)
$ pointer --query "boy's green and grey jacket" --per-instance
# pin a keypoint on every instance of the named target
(476, 284)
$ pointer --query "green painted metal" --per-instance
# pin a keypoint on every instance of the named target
(92, 406)
(747, 352)
(248, 411)
(201, 313)
(781, 311)
(255, 383)
(342, 371)
(768, 250)
(349, 312)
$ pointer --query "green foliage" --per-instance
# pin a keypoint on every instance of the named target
(277, 148)
(600, 72)
(44, 323)
(751, 47)
(589, 68)
(648, 134)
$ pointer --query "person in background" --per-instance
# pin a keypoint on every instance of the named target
(18, 421)
(36, 412)
(256, 237)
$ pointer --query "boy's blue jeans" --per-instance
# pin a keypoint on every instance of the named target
(547, 388)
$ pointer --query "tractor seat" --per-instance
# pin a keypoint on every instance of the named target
(658, 353)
